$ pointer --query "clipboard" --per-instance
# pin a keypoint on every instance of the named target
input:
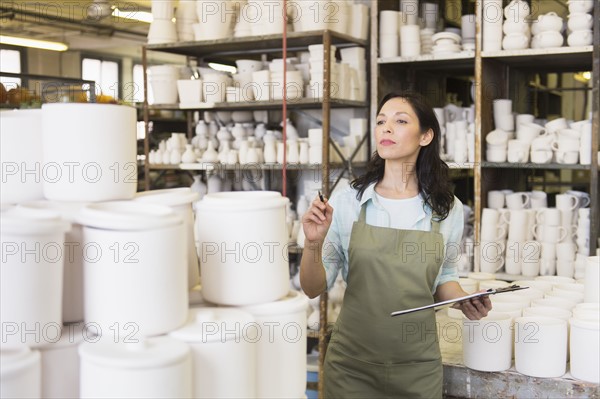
(491, 291)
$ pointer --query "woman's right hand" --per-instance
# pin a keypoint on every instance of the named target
(316, 220)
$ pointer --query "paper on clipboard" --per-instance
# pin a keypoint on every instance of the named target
(491, 291)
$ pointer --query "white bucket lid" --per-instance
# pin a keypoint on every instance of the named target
(127, 216)
(242, 201)
(25, 221)
(13, 359)
(169, 196)
(147, 353)
(69, 336)
(589, 323)
(213, 324)
(293, 302)
(69, 211)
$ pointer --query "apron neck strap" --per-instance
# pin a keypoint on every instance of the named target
(363, 213)
(435, 223)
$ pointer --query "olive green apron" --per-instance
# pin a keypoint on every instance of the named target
(373, 355)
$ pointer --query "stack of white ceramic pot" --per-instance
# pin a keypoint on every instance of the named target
(515, 27)
(185, 18)
(216, 19)
(162, 28)
(446, 43)
(389, 34)
(355, 58)
(580, 23)
(248, 268)
(492, 25)
(547, 31)
(458, 133)
(163, 80)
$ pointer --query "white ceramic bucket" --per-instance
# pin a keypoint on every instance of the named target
(541, 346)
(223, 352)
(281, 356)
(586, 310)
(31, 276)
(159, 367)
(487, 343)
(90, 152)
(135, 268)
(21, 155)
(243, 245)
(60, 362)
(585, 349)
(72, 295)
(20, 372)
(592, 279)
(180, 200)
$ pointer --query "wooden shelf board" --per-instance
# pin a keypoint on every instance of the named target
(509, 165)
(266, 166)
(566, 58)
(254, 44)
(305, 103)
(431, 61)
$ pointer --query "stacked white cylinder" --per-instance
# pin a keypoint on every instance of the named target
(72, 295)
(592, 280)
(20, 372)
(31, 276)
(584, 348)
(541, 346)
(222, 343)
(135, 268)
(242, 238)
(163, 80)
(60, 363)
(389, 39)
(487, 343)
(21, 154)
(157, 367)
(281, 357)
(180, 200)
(90, 152)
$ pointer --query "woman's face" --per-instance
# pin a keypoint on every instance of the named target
(398, 131)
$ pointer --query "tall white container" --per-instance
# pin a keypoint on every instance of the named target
(20, 372)
(541, 346)
(180, 200)
(60, 363)
(487, 343)
(243, 245)
(224, 350)
(90, 152)
(72, 303)
(585, 349)
(281, 357)
(592, 279)
(135, 269)
(21, 155)
(31, 276)
(159, 367)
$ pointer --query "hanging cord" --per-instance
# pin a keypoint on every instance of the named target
(284, 113)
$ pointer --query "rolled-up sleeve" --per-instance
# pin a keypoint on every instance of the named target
(452, 230)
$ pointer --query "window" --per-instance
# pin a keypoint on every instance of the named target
(10, 61)
(104, 73)
(138, 84)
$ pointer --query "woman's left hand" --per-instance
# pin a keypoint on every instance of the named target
(475, 308)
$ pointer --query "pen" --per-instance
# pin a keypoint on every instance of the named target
(322, 200)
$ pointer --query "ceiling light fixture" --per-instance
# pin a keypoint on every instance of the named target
(41, 44)
(142, 16)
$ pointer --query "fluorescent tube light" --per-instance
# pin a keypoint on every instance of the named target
(42, 44)
(142, 16)
(222, 67)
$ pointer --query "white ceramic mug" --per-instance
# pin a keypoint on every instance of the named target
(539, 199)
(491, 258)
(541, 157)
(548, 216)
(547, 267)
(495, 199)
(517, 200)
(566, 202)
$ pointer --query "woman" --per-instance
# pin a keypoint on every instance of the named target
(388, 234)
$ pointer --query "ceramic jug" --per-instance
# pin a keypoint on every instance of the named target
(188, 156)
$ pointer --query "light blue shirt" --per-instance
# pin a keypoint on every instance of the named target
(346, 209)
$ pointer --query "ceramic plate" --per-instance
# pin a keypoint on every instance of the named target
(446, 35)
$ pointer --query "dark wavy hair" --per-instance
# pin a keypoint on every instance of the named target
(432, 172)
